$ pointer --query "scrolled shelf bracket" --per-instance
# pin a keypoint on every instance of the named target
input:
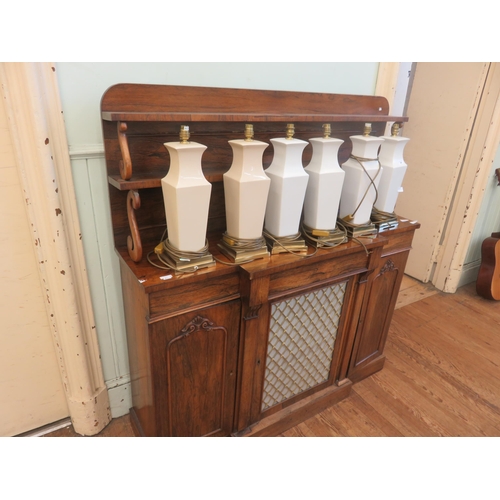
(125, 162)
(134, 243)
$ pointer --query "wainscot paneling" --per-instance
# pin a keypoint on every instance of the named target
(89, 173)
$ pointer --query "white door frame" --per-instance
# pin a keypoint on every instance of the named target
(392, 83)
(39, 138)
(466, 193)
(470, 186)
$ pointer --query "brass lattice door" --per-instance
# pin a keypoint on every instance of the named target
(302, 335)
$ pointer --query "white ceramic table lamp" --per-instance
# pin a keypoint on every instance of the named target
(393, 170)
(246, 188)
(186, 195)
(288, 186)
(362, 177)
(326, 178)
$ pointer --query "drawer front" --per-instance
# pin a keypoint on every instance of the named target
(398, 243)
(189, 296)
(318, 272)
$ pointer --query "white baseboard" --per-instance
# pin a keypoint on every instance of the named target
(120, 403)
(469, 273)
(47, 429)
(120, 399)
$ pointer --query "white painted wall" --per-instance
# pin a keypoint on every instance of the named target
(82, 86)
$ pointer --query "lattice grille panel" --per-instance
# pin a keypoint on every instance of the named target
(301, 341)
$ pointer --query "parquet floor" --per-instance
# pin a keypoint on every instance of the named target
(441, 376)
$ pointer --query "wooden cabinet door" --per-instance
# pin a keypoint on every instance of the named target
(376, 317)
(194, 358)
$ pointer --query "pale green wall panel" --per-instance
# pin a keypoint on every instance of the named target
(83, 84)
(89, 176)
(488, 220)
(90, 240)
(109, 263)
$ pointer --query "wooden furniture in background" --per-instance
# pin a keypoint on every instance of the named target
(211, 352)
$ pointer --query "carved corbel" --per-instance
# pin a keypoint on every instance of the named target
(252, 312)
(254, 293)
(134, 243)
(125, 162)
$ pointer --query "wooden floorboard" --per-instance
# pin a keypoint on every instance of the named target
(450, 386)
(441, 376)
(383, 399)
(412, 290)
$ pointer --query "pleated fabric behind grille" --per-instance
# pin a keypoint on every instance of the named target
(301, 341)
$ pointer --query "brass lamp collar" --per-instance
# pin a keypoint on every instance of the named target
(184, 134)
(248, 132)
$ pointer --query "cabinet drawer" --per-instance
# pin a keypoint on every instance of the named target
(398, 243)
(188, 296)
(315, 273)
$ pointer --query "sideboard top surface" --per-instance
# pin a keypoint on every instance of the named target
(153, 279)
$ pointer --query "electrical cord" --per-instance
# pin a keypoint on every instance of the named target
(307, 232)
(353, 238)
(381, 216)
(242, 245)
(360, 160)
(183, 256)
(283, 240)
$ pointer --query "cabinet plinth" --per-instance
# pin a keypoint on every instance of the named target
(250, 349)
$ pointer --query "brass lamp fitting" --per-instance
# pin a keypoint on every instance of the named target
(184, 134)
(367, 130)
(394, 129)
(290, 130)
(327, 130)
(248, 132)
